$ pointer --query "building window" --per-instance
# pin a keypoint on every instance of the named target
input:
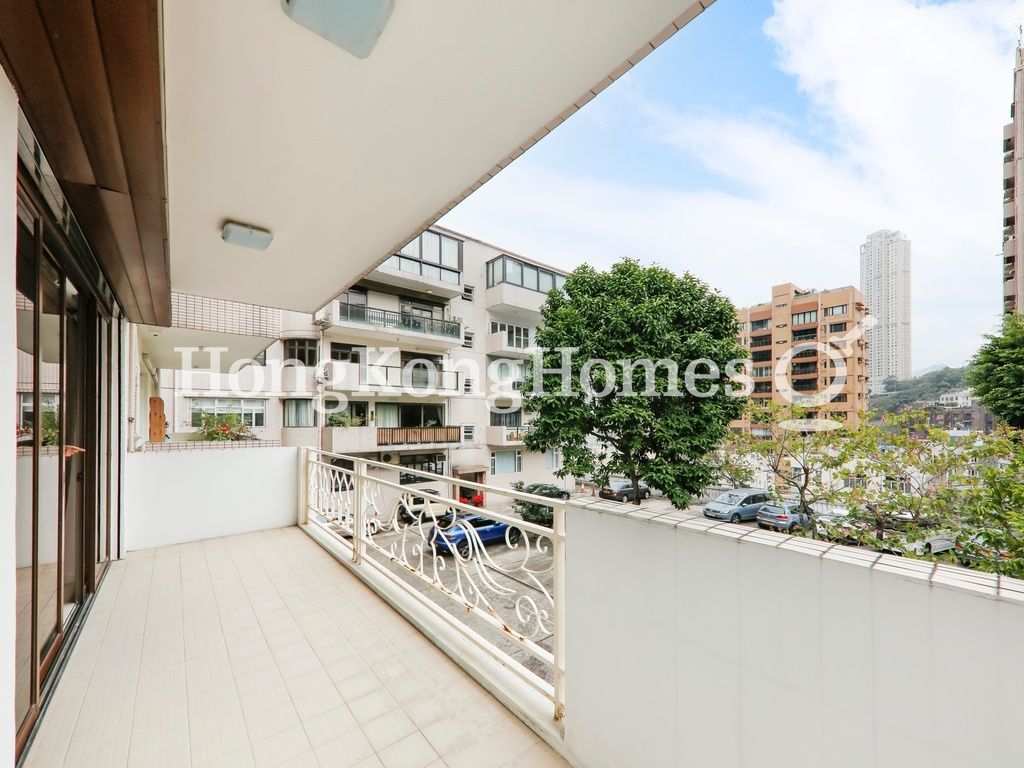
(26, 413)
(423, 462)
(467, 386)
(761, 371)
(410, 415)
(260, 359)
(761, 357)
(838, 309)
(347, 353)
(468, 433)
(506, 269)
(506, 462)
(251, 411)
(516, 336)
(762, 386)
(299, 413)
(507, 418)
(468, 293)
(807, 334)
(302, 350)
(761, 341)
(552, 459)
(837, 327)
(431, 255)
(760, 325)
(467, 339)
(805, 317)
(354, 296)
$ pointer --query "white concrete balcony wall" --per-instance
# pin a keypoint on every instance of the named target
(181, 496)
(515, 302)
(715, 645)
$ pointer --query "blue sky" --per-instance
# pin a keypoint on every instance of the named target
(764, 141)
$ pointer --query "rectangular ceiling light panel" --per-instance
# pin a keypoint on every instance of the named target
(353, 25)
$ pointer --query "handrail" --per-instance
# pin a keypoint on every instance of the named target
(418, 435)
(514, 586)
(387, 318)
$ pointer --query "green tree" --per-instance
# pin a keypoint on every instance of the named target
(905, 480)
(806, 465)
(625, 419)
(997, 372)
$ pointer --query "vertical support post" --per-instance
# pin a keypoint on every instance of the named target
(359, 513)
(559, 600)
(303, 486)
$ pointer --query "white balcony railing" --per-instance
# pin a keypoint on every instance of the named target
(490, 575)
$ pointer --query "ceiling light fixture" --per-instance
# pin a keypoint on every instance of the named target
(352, 25)
(246, 236)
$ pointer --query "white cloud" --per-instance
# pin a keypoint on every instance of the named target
(909, 100)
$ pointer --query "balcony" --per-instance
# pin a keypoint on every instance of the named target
(389, 273)
(352, 640)
(418, 436)
(391, 379)
(515, 302)
(424, 331)
(507, 436)
(497, 344)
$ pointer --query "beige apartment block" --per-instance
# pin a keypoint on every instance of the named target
(427, 350)
(789, 338)
(1013, 141)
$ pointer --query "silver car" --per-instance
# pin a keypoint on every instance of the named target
(782, 517)
(727, 506)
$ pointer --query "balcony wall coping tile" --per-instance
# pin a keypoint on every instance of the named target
(938, 575)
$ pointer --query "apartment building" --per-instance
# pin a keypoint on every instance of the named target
(798, 340)
(1013, 138)
(426, 355)
(885, 283)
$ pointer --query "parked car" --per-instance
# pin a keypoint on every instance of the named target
(550, 490)
(737, 504)
(427, 507)
(450, 535)
(781, 517)
(621, 490)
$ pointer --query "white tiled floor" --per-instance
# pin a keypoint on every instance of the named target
(261, 650)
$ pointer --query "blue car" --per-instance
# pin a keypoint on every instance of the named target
(449, 535)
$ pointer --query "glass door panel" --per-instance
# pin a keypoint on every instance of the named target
(75, 350)
(50, 459)
(28, 420)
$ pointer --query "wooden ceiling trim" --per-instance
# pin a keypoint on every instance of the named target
(28, 59)
(129, 36)
(78, 55)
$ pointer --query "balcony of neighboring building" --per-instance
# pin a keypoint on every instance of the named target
(432, 263)
(359, 321)
(507, 435)
(503, 344)
(518, 289)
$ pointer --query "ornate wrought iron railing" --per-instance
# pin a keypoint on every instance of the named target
(494, 577)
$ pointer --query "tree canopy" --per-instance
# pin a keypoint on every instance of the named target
(605, 423)
(997, 372)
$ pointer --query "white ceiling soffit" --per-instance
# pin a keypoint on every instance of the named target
(344, 159)
(167, 347)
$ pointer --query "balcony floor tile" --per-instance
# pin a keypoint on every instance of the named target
(262, 650)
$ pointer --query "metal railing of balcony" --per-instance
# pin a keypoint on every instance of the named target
(418, 435)
(500, 581)
(386, 318)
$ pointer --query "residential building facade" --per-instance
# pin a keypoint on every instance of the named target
(797, 343)
(1013, 167)
(885, 283)
(427, 354)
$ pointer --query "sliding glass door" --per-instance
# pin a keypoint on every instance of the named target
(67, 494)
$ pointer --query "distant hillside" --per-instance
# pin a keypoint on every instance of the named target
(927, 387)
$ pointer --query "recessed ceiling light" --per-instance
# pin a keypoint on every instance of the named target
(246, 236)
(352, 25)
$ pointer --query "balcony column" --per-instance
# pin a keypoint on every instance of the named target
(8, 395)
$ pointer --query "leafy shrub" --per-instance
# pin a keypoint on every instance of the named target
(222, 428)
